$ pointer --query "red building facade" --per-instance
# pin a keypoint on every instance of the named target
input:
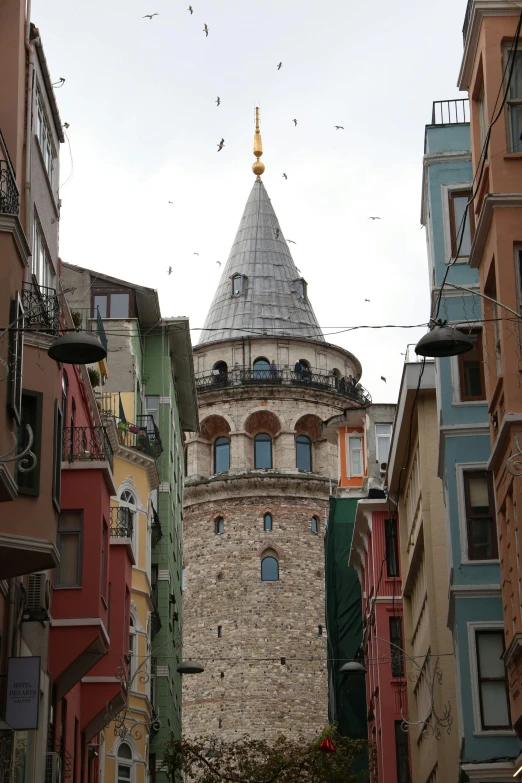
(375, 556)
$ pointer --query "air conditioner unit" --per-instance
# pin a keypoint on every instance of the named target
(38, 599)
(53, 768)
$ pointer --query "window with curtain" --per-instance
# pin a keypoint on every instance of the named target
(267, 522)
(221, 455)
(303, 453)
(124, 763)
(480, 515)
(269, 569)
(263, 451)
(492, 680)
(514, 103)
(70, 534)
(397, 661)
(383, 441)
(132, 651)
(355, 456)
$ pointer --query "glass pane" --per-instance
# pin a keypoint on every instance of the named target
(124, 752)
(494, 704)
(263, 452)
(315, 525)
(478, 495)
(515, 117)
(124, 773)
(459, 207)
(303, 453)
(268, 522)
(100, 302)
(70, 520)
(69, 546)
(491, 649)
(269, 569)
(356, 456)
(483, 545)
(152, 407)
(383, 448)
(119, 305)
(261, 368)
(222, 455)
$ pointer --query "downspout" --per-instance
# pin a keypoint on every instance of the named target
(28, 122)
(12, 618)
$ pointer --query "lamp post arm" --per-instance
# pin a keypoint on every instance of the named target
(484, 296)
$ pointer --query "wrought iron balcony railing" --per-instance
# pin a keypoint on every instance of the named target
(155, 623)
(156, 532)
(86, 444)
(308, 378)
(452, 112)
(9, 196)
(42, 307)
(122, 522)
(146, 422)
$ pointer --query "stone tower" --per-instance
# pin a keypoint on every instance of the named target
(256, 494)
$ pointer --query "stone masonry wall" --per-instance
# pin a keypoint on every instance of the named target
(245, 687)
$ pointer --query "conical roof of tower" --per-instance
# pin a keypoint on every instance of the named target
(273, 298)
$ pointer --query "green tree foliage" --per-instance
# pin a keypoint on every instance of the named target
(247, 760)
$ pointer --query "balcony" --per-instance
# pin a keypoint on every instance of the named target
(156, 532)
(452, 112)
(122, 522)
(9, 196)
(309, 378)
(41, 308)
(143, 436)
(147, 424)
(86, 444)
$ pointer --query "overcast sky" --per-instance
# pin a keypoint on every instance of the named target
(144, 126)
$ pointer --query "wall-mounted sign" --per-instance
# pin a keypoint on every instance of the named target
(23, 693)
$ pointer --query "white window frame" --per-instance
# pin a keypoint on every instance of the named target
(125, 763)
(456, 401)
(377, 436)
(45, 137)
(460, 469)
(446, 193)
(352, 436)
(134, 508)
(48, 276)
(483, 625)
(513, 145)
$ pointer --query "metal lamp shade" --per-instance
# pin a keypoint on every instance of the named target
(190, 667)
(77, 348)
(443, 341)
(353, 667)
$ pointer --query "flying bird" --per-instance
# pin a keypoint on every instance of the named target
(338, 127)
(279, 66)
(373, 218)
(383, 378)
(196, 254)
(218, 100)
(366, 300)
(171, 202)
(205, 30)
(221, 145)
(66, 125)
(295, 122)
(218, 262)
(170, 270)
(149, 16)
(284, 175)
(59, 83)
(292, 241)
(190, 9)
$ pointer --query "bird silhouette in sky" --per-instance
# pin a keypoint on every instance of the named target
(66, 125)
(338, 127)
(149, 16)
(374, 218)
(221, 145)
(190, 9)
(295, 122)
(284, 175)
(383, 378)
(170, 270)
(218, 101)
(277, 232)
(205, 30)
(280, 65)
(218, 262)
(366, 300)
(292, 241)
(196, 254)
(59, 83)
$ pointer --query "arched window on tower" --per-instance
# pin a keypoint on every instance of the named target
(263, 451)
(124, 772)
(269, 569)
(303, 453)
(219, 526)
(267, 522)
(221, 455)
(261, 369)
(220, 374)
(315, 525)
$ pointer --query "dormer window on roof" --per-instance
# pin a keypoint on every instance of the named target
(238, 284)
(302, 285)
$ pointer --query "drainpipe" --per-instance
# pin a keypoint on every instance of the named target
(28, 117)
(12, 619)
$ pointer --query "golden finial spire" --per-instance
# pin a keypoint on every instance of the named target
(258, 167)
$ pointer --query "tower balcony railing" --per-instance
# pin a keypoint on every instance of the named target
(9, 196)
(86, 444)
(308, 378)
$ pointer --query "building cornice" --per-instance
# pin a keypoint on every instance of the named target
(491, 201)
(478, 10)
(469, 591)
(503, 436)
(431, 158)
(10, 224)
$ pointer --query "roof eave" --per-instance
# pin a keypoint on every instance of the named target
(183, 368)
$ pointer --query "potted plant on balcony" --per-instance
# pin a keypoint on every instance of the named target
(94, 377)
(77, 319)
